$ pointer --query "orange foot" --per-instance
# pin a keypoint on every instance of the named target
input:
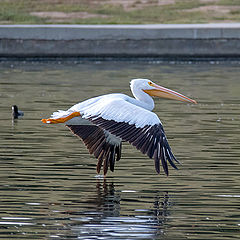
(61, 120)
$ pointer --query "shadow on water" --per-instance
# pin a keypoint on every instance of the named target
(103, 220)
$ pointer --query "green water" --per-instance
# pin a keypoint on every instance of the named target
(48, 183)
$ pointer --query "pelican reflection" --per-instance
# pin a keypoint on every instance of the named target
(112, 215)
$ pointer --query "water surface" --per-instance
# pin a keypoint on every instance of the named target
(48, 183)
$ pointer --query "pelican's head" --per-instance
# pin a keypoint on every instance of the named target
(155, 90)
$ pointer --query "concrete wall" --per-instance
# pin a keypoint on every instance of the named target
(160, 40)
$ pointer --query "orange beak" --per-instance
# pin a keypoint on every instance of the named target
(163, 92)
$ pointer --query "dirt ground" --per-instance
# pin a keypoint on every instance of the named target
(127, 5)
(119, 11)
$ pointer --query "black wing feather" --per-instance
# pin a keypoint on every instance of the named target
(97, 144)
(150, 140)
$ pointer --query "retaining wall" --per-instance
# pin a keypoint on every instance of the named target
(158, 40)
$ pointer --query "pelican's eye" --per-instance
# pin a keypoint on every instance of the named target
(150, 83)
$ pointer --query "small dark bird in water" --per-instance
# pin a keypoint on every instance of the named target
(16, 113)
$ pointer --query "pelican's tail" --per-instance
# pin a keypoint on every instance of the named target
(61, 117)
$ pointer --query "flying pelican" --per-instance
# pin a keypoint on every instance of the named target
(104, 122)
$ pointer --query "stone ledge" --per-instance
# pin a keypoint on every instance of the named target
(157, 40)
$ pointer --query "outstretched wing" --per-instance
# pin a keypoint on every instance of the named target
(134, 124)
(103, 145)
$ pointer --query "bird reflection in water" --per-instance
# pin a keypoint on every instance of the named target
(107, 200)
(112, 214)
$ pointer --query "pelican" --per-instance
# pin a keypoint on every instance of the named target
(104, 122)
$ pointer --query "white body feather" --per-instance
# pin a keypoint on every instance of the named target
(117, 107)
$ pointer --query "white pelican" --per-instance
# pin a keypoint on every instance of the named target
(104, 122)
